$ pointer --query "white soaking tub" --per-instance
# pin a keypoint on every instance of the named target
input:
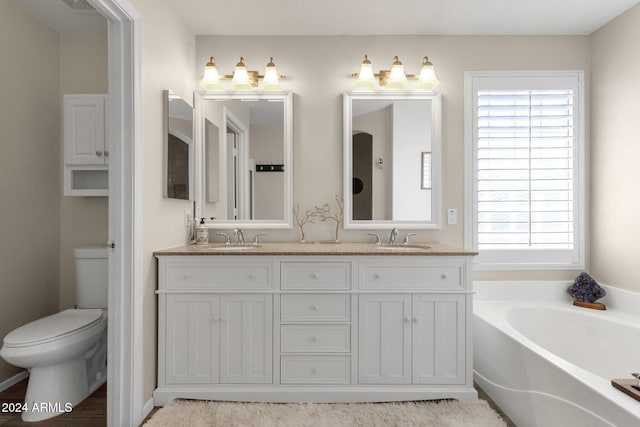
(548, 363)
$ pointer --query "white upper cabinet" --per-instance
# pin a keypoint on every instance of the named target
(86, 147)
(84, 130)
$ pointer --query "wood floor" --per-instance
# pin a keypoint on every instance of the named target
(91, 412)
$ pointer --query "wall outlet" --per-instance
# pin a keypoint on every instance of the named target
(452, 216)
(188, 217)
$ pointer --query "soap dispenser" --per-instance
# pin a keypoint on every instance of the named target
(202, 233)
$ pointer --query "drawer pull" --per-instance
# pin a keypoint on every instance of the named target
(315, 307)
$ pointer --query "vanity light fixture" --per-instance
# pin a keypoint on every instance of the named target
(396, 77)
(427, 79)
(211, 78)
(241, 79)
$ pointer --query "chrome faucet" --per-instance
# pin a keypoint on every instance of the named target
(405, 241)
(238, 233)
(227, 241)
(393, 236)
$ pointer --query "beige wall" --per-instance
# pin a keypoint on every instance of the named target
(615, 206)
(83, 220)
(29, 172)
(167, 63)
(319, 68)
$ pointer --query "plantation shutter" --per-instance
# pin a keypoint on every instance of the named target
(524, 142)
(525, 169)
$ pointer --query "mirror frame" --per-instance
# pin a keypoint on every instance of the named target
(436, 160)
(287, 99)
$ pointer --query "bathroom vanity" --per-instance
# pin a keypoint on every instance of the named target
(314, 323)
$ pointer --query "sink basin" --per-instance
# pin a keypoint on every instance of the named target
(403, 247)
(232, 247)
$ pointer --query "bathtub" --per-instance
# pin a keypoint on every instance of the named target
(548, 363)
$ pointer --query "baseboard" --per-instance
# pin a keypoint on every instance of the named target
(13, 380)
(147, 408)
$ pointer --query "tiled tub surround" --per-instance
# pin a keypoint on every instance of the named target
(314, 323)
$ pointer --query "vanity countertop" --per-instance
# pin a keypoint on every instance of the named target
(327, 249)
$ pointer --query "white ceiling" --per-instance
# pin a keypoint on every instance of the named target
(364, 17)
(352, 17)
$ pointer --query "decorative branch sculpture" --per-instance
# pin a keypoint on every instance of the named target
(309, 217)
(324, 213)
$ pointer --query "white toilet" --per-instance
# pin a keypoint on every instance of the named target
(65, 353)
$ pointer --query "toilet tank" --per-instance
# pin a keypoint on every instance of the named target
(91, 277)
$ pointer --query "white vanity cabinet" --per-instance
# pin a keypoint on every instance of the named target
(299, 328)
(86, 151)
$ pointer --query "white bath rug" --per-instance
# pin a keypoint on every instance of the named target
(195, 413)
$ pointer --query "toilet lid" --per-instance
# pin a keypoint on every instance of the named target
(51, 327)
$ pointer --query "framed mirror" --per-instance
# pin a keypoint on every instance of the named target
(245, 172)
(179, 148)
(392, 146)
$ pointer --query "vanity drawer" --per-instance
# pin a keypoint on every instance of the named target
(315, 338)
(410, 277)
(316, 275)
(316, 307)
(220, 276)
(315, 370)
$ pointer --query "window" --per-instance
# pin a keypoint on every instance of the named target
(524, 133)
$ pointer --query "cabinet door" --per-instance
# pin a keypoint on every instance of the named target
(384, 339)
(438, 339)
(246, 325)
(84, 130)
(192, 339)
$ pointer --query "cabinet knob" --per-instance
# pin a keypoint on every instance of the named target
(223, 318)
(407, 320)
(443, 276)
(98, 153)
(314, 370)
(315, 307)
(186, 276)
(215, 318)
(314, 339)
(376, 275)
(315, 275)
(106, 153)
(415, 320)
(252, 276)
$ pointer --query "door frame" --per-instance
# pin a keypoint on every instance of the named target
(125, 391)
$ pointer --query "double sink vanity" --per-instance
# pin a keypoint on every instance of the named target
(289, 322)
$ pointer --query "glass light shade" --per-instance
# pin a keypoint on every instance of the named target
(271, 79)
(240, 79)
(397, 77)
(427, 79)
(366, 78)
(211, 78)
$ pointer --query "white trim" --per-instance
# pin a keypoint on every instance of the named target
(11, 381)
(470, 216)
(147, 408)
(125, 343)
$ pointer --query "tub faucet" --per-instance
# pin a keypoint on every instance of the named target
(393, 236)
(238, 233)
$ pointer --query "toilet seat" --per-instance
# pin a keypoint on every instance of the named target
(56, 326)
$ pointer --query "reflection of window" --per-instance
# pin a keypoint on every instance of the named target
(527, 170)
(426, 170)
